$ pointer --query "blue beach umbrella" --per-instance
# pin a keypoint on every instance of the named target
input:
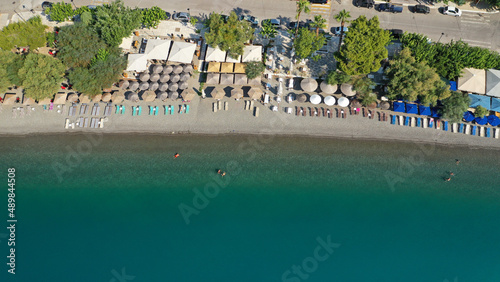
(424, 110)
(468, 116)
(411, 108)
(493, 120)
(399, 107)
(481, 120)
(435, 113)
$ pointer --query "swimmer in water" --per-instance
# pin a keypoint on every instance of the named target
(176, 155)
(223, 173)
(218, 171)
(447, 179)
(457, 161)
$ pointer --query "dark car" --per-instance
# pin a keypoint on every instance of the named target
(168, 15)
(421, 9)
(396, 33)
(293, 25)
(46, 5)
(364, 3)
(318, 1)
(393, 8)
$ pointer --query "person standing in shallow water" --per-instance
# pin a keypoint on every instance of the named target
(176, 155)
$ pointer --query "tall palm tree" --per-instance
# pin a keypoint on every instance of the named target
(342, 17)
(302, 6)
(319, 22)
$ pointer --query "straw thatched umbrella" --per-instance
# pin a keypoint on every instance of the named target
(132, 96)
(255, 81)
(144, 85)
(218, 93)
(226, 67)
(157, 68)
(327, 88)
(59, 99)
(28, 101)
(164, 78)
(255, 93)
(173, 87)
(154, 77)
(178, 69)
(183, 85)
(134, 85)
(73, 97)
(45, 101)
(315, 99)
(372, 105)
(301, 98)
(168, 69)
(97, 98)
(124, 84)
(239, 68)
(213, 67)
(173, 95)
(185, 76)
(163, 87)
(384, 105)
(118, 96)
(226, 78)
(162, 96)
(213, 78)
(188, 94)
(240, 79)
(84, 98)
(330, 100)
(188, 68)
(148, 96)
(153, 86)
(309, 84)
(144, 76)
(106, 97)
(355, 104)
(347, 89)
(175, 78)
(10, 99)
(343, 102)
(237, 93)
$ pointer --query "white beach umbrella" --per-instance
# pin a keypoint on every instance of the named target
(343, 102)
(315, 99)
(330, 100)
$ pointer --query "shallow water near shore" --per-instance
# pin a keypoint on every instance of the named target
(104, 207)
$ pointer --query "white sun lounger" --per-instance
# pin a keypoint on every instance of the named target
(401, 120)
(101, 124)
(454, 127)
(412, 122)
(215, 107)
(256, 111)
(86, 122)
(66, 124)
(226, 106)
(467, 129)
(481, 131)
(497, 132)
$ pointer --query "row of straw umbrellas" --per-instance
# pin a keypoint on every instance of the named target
(168, 69)
(237, 93)
(173, 85)
(310, 85)
(150, 96)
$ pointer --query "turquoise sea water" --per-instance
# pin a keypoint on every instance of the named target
(108, 208)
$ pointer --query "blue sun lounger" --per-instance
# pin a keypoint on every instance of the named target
(172, 110)
(431, 123)
(461, 128)
(133, 111)
(488, 133)
(419, 122)
(407, 121)
(140, 111)
(445, 126)
(123, 110)
(117, 109)
(187, 109)
(393, 119)
(151, 109)
(156, 110)
(473, 132)
(165, 109)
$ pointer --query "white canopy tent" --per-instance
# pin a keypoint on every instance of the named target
(215, 55)
(493, 83)
(157, 49)
(182, 52)
(137, 62)
(252, 53)
(231, 60)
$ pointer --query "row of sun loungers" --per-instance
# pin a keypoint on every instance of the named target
(318, 112)
(219, 106)
(85, 122)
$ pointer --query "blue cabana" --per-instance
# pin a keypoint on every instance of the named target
(495, 104)
(479, 100)
(411, 109)
(493, 120)
(434, 113)
(481, 120)
(399, 107)
(453, 85)
(468, 116)
(424, 110)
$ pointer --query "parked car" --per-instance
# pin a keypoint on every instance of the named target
(364, 3)
(275, 22)
(396, 33)
(46, 5)
(251, 19)
(387, 7)
(181, 16)
(168, 15)
(318, 1)
(293, 25)
(452, 11)
(336, 30)
(225, 18)
(421, 9)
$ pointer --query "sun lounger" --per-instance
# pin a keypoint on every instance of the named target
(139, 112)
(488, 132)
(86, 122)
(256, 112)
(297, 111)
(419, 122)
(329, 113)
(431, 123)
(92, 120)
(316, 111)
(454, 127)
(412, 122)
(467, 129)
(123, 110)
(80, 122)
(473, 131)
(86, 109)
(407, 121)
(101, 123)
(107, 110)
(226, 106)
(438, 124)
(66, 123)
(350, 111)
(497, 132)
(117, 109)
(393, 119)
(134, 112)
(480, 131)
(151, 109)
(187, 109)
(461, 128)
(82, 109)
(214, 107)
(172, 110)
(343, 114)
(445, 126)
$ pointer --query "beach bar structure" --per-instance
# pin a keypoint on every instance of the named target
(60, 98)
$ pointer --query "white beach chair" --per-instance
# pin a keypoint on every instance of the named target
(66, 124)
(497, 133)
(401, 120)
(412, 122)
(425, 122)
(481, 131)
(274, 109)
(467, 129)
(289, 110)
(266, 99)
(226, 106)
(256, 111)
(215, 107)
(454, 127)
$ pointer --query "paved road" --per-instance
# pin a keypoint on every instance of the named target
(477, 29)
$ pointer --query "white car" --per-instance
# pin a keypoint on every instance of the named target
(452, 11)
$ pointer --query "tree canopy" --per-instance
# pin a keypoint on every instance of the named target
(337, 77)
(268, 30)
(114, 21)
(412, 80)
(302, 6)
(10, 64)
(60, 12)
(78, 44)
(318, 23)
(480, 111)
(364, 47)
(151, 17)
(41, 76)
(254, 69)
(455, 106)
(30, 33)
(307, 42)
(230, 36)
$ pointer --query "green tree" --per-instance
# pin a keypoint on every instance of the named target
(302, 6)
(342, 17)
(41, 76)
(60, 12)
(307, 42)
(78, 44)
(494, 3)
(30, 33)
(336, 77)
(480, 111)
(318, 23)
(254, 69)
(363, 86)
(364, 47)
(268, 30)
(230, 36)
(7, 60)
(114, 21)
(13, 64)
(455, 106)
(151, 17)
(412, 80)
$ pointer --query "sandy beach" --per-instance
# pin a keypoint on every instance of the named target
(236, 120)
